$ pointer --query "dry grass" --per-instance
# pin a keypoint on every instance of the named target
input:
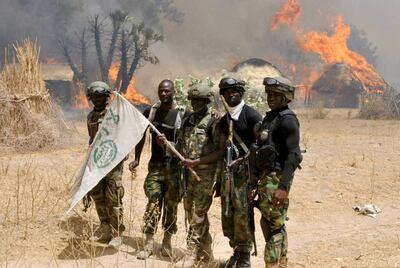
(380, 106)
(30, 120)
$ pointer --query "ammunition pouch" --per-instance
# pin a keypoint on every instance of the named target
(266, 157)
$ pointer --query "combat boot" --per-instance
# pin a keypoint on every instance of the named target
(232, 260)
(102, 234)
(282, 263)
(116, 239)
(243, 260)
(166, 248)
(147, 249)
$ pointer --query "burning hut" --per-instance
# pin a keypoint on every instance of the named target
(338, 87)
(58, 80)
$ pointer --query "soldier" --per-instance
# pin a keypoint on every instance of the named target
(162, 183)
(200, 145)
(237, 125)
(107, 194)
(278, 156)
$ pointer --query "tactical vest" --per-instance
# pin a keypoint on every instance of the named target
(197, 139)
(175, 126)
(267, 154)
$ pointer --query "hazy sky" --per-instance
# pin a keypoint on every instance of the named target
(215, 33)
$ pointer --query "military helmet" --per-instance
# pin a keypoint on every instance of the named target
(98, 87)
(281, 85)
(230, 82)
(201, 91)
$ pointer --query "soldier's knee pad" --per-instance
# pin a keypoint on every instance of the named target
(274, 248)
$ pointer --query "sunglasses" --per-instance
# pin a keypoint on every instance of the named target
(230, 82)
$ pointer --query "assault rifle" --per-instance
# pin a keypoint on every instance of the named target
(228, 168)
(184, 186)
(252, 193)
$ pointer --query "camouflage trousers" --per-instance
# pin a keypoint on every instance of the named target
(162, 188)
(197, 202)
(235, 214)
(273, 222)
(107, 196)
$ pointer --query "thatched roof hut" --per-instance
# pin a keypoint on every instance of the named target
(254, 70)
(338, 87)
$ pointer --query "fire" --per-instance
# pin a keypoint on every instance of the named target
(332, 49)
(289, 14)
(50, 61)
(131, 93)
(80, 101)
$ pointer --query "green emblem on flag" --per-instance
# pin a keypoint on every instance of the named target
(105, 153)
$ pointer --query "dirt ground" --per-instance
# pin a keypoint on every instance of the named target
(348, 162)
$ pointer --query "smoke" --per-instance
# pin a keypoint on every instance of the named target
(216, 34)
(50, 20)
(203, 37)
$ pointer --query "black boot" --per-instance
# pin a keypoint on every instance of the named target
(232, 260)
(244, 260)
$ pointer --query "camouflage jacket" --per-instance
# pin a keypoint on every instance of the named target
(198, 137)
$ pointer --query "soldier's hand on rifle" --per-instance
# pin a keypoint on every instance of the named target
(217, 189)
(279, 198)
(134, 164)
(189, 163)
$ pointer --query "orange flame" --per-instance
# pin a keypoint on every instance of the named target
(332, 49)
(289, 14)
(131, 93)
(80, 101)
(50, 61)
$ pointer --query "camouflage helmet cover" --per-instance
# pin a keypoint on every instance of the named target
(200, 91)
(281, 85)
(98, 87)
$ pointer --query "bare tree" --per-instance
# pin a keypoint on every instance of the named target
(137, 44)
(130, 40)
(80, 74)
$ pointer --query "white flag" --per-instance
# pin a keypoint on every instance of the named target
(122, 128)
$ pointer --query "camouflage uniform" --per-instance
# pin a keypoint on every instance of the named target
(162, 184)
(161, 187)
(199, 138)
(107, 194)
(273, 221)
(235, 224)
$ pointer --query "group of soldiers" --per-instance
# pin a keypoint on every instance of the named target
(246, 160)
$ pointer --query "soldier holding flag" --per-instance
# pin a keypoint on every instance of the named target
(162, 183)
(107, 194)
